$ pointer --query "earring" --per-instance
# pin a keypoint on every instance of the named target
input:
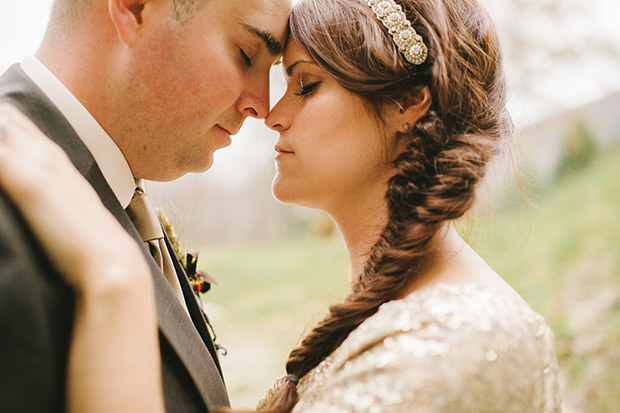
(406, 127)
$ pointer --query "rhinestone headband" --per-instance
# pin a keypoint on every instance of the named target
(410, 44)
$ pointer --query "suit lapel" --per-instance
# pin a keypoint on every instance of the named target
(17, 89)
(194, 306)
(200, 361)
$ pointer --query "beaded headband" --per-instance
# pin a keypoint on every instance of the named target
(410, 44)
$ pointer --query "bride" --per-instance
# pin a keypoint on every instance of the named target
(392, 111)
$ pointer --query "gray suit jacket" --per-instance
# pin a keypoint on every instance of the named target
(36, 306)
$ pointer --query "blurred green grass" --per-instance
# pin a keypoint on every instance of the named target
(270, 294)
(559, 247)
(261, 280)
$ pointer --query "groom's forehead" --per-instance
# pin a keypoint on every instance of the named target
(270, 16)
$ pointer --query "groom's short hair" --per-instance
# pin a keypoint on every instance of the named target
(66, 12)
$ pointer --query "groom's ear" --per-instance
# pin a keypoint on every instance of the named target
(129, 17)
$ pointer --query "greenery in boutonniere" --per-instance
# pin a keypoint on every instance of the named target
(200, 280)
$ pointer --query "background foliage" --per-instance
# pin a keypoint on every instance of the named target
(558, 246)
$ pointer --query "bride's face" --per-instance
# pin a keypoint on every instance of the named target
(332, 152)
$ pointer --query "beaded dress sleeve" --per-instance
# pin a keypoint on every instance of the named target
(448, 348)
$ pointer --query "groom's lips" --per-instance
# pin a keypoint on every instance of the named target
(229, 131)
(225, 134)
(224, 129)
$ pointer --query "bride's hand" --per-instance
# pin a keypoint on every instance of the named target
(82, 238)
(115, 316)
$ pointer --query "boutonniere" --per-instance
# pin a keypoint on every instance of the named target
(199, 280)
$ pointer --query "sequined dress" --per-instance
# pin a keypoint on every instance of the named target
(448, 348)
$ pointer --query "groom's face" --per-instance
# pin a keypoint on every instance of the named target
(198, 81)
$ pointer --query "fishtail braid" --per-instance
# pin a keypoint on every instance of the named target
(436, 176)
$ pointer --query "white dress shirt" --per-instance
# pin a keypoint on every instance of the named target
(108, 156)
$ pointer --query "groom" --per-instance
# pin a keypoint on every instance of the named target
(130, 89)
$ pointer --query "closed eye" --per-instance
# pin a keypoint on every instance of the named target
(309, 88)
(245, 58)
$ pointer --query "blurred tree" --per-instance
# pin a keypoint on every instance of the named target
(560, 50)
(579, 149)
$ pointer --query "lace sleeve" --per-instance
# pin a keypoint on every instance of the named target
(441, 361)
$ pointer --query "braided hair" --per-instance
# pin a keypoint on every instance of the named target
(446, 153)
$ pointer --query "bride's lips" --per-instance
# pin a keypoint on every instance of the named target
(280, 152)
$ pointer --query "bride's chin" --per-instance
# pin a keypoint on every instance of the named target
(287, 194)
(281, 194)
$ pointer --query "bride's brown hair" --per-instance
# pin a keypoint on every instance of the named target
(436, 176)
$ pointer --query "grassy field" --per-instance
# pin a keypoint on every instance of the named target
(270, 294)
(563, 255)
(561, 251)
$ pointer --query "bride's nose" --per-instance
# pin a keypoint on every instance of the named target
(278, 119)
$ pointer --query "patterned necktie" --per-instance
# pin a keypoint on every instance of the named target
(144, 217)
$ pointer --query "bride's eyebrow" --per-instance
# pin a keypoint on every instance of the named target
(289, 70)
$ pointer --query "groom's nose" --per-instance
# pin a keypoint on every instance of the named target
(254, 102)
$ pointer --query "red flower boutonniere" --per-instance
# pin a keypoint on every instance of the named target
(200, 280)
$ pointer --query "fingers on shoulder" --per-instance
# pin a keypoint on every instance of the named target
(18, 129)
(28, 157)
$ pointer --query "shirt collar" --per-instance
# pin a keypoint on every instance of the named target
(108, 156)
